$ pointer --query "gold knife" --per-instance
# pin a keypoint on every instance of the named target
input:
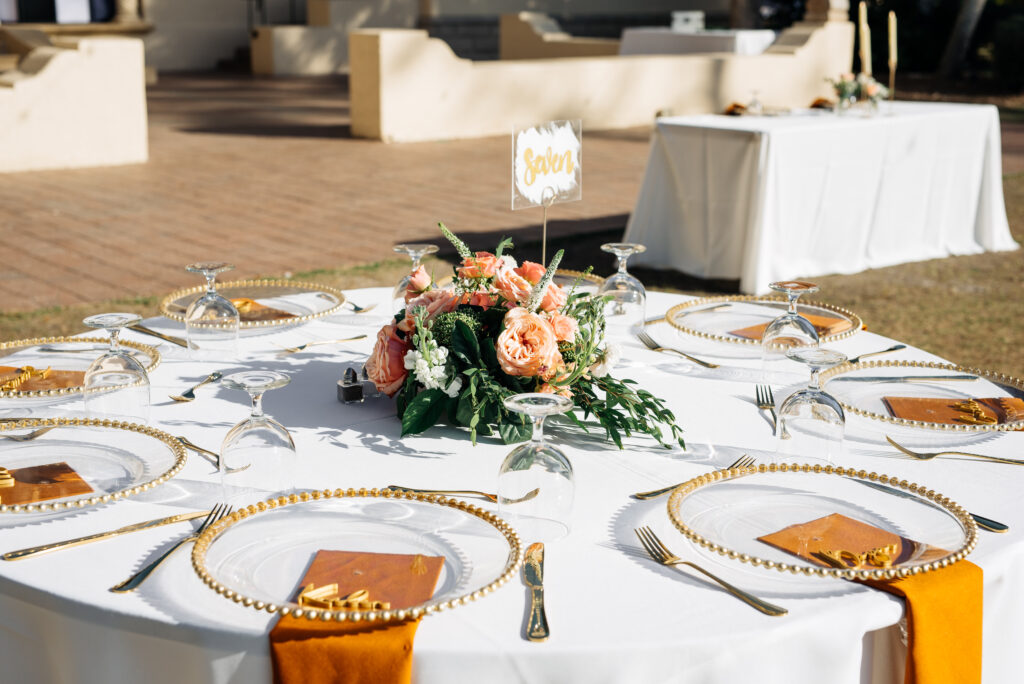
(159, 335)
(45, 548)
(533, 573)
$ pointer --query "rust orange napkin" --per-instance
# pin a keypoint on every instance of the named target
(39, 379)
(825, 325)
(314, 652)
(251, 310)
(42, 483)
(943, 606)
(956, 411)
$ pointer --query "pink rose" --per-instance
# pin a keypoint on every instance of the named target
(527, 346)
(554, 298)
(435, 301)
(565, 327)
(386, 365)
(418, 284)
(533, 272)
(871, 89)
(483, 265)
(848, 76)
(512, 286)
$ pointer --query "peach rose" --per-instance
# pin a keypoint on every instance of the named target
(483, 265)
(435, 301)
(533, 272)
(554, 298)
(512, 286)
(418, 284)
(480, 298)
(871, 89)
(527, 346)
(565, 327)
(554, 389)
(386, 365)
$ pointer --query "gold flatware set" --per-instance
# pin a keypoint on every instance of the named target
(649, 342)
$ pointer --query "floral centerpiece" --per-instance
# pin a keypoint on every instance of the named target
(850, 89)
(455, 355)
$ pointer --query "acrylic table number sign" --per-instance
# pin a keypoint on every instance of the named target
(547, 168)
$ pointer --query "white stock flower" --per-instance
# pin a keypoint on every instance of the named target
(608, 359)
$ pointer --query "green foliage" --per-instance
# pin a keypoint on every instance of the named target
(444, 323)
(1008, 52)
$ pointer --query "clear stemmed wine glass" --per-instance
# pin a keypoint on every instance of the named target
(812, 423)
(626, 310)
(754, 106)
(211, 321)
(416, 252)
(116, 384)
(535, 483)
(258, 452)
(790, 329)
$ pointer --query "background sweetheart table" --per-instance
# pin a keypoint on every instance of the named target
(615, 615)
(659, 40)
(762, 198)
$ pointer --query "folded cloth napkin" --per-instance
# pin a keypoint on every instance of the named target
(251, 310)
(943, 606)
(41, 483)
(957, 411)
(28, 379)
(316, 652)
(825, 325)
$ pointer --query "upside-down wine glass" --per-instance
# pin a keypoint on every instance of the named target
(416, 252)
(790, 329)
(116, 384)
(258, 454)
(535, 483)
(211, 321)
(812, 422)
(625, 312)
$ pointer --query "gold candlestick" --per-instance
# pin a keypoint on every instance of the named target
(892, 55)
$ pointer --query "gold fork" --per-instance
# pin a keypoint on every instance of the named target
(660, 553)
(927, 456)
(493, 498)
(292, 350)
(654, 346)
(29, 436)
(136, 580)
(741, 462)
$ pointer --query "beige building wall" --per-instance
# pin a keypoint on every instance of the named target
(570, 7)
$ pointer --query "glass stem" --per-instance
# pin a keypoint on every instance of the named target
(538, 430)
(114, 332)
(416, 258)
(257, 405)
(793, 296)
(815, 379)
(622, 264)
(211, 279)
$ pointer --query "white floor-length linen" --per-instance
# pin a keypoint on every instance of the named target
(761, 199)
(615, 616)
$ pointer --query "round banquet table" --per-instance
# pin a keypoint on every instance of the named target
(615, 616)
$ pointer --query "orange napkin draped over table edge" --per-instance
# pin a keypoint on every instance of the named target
(825, 325)
(943, 607)
(317, 652)
(55, 379)
(945, 410)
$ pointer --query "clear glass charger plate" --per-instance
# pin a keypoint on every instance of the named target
(716, 318)
(257, 556)
(726, 511)
(62, 353)
(862, 387)
(117, 460)
(305, 301)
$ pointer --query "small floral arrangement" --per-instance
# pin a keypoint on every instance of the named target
(455, 355)
(863, 88)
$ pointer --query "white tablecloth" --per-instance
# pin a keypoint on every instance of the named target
(60, 624)
(761, 199)
(665, 41)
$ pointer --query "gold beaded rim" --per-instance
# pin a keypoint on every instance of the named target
(671, 314)
(588, 277)
(179, 316)
(210, 535)
(149, 351)
(994, 376)
(961, 515)
(171, 442)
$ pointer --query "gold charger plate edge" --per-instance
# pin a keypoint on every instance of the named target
(166, 302)
(209, 536)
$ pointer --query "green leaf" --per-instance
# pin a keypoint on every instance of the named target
(513, 431)
(465, 411)
(423, 411)
(506, 243)
(464, 344)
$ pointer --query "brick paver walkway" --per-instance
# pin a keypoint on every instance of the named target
(262, 173)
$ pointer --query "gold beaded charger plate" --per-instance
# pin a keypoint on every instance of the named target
(725, 512)
(717, 319)
(865, 390)
(304, 301)
(584, 282)
(257, 555)
(37, 354)
(115, 460)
